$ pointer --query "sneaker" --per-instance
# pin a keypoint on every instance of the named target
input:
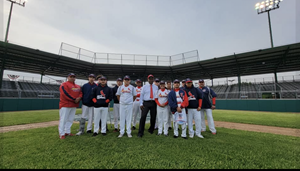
(185, 138)
(103, 134)
(214, 133)
(116, 130)
(200, 136)
(175, 136)
(95, 134)
(66, 134)
(170, 128)
(89, 131)
(133, 128)
(120, 136)
(62, 137)
(129, 135)
(191, 136)
(79, 133)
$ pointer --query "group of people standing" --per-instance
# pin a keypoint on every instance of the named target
(185, 105)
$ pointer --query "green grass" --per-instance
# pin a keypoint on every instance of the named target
(288, 120)
(230, 149)
(27, 117)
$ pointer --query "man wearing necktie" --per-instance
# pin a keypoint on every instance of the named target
(147, 102)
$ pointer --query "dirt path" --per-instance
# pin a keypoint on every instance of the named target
(230, 125)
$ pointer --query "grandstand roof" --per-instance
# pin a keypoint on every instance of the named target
(278, 59)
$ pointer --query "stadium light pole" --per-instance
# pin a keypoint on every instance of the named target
(19, 2)
(267, 6)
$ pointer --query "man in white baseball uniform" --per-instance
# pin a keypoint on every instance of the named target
(126, 95)
(156, 82)
(87, 105)
(161, 99)
(169, 88)
(136, 104)
(116, 104)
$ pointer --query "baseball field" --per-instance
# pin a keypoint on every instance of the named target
(41, 148)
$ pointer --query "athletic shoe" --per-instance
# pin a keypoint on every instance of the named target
(62, 137)
(185, 138)
(214, 133)
(170, 128)
(66, 134)
(129, 135)
(79, 133)
(200, 136)
(175, 136)
(133, 128)
(95, 134)
(191, 136)
(89, 131)
(120, 136)
(103, 134)
(116, 130)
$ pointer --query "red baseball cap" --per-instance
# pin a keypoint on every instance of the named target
(150, 76)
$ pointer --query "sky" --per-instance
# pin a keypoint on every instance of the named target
(213, 27)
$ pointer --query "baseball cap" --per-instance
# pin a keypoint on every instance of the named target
(119, 79)
(92, 75)
(168, 81)
(176, 81)
(162, 82)
(126, 77)
(103, 78)
(183, 81)
(71, 74)
(201, 80)
(138, 80)
(156, 80)
(150, 76)
(188, 80)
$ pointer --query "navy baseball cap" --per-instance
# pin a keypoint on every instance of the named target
(176, 81)
(188, 80)
(201, 80)
(92, 75)
(71, 74)
(126, 77)
(119, 79)
(156, 80)
(138, 80)
(103, 78)
(183, 81)
(150, 76)
(162, 82)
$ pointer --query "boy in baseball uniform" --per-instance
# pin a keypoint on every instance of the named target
(126, 95)
(136, 111)
(161, 99)
(116, 104)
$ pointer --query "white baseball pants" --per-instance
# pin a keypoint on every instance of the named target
(210, 120)
(125, 118)
(66, 118)
(170, 117)
(88, 113)
(196, 115)
(162, 115)
(116, 114)
(136, 112)
(100, 114)
(183, 127)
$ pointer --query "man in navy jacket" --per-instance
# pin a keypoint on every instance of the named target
(87, 106)
(194, 107)
(101, 95)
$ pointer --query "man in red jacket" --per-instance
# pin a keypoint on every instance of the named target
(70, 96)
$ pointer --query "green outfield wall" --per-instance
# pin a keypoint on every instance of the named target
(250, 105)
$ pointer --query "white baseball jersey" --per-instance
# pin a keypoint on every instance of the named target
(126, 94)
(178, 98)
(162, 96)
(138, 93)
